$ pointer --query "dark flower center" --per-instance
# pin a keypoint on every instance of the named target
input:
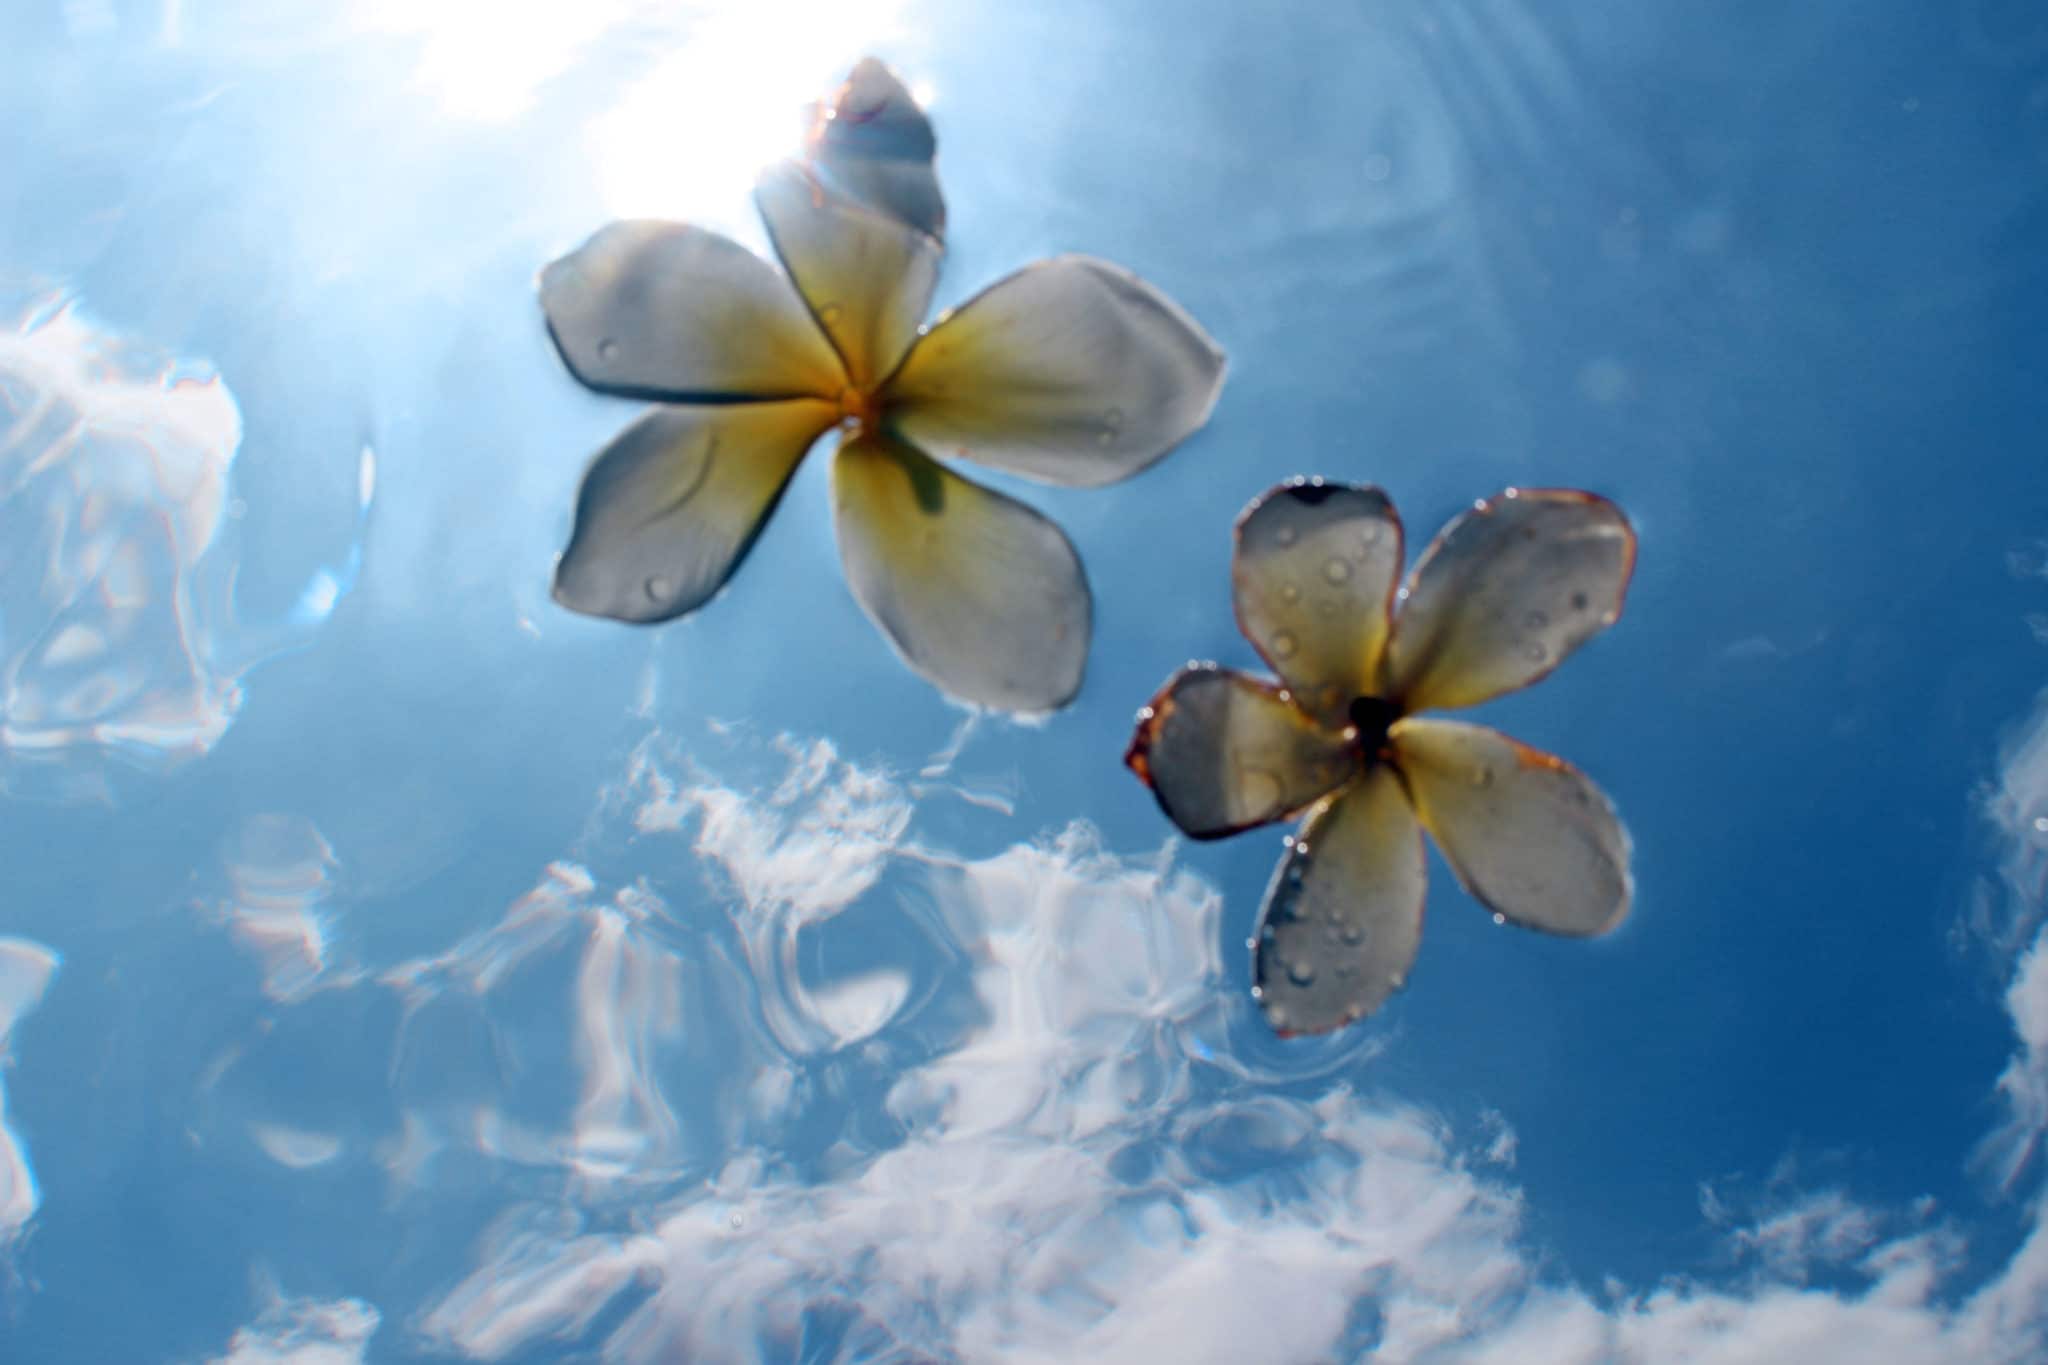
(1371, 717)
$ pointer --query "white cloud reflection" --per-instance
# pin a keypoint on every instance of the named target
(25, 972)
(304, 1332)
(113, 485)
(117, 634)
(791, 1083)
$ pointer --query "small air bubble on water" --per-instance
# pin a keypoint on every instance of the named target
(2041, 824)
(1500, 919)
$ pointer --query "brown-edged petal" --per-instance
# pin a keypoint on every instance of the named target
(979, 593)
(1224, 752)
(868, 278)
(1343, 916)
(872, 143)
(1506, 591)
(1313, 578)
(1073, 371)
(671, 506)
(1528, 834)
(670, 311)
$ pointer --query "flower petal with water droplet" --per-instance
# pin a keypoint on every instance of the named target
(1528, 834)
(979, 593)
(670, 311)
(868, 278)
(1505, 592)
(670, 507)
(873, 144)
(1343, 916)
(1224, 752)
(1073, 371)
(1313, 579)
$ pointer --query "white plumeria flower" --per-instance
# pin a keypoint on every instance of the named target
(1071, 371)
(1502, 595)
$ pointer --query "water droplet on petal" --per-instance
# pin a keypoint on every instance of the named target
(2041, 824)
(1578, 601)
(1284, 536)
(1536, 654)
(830, 314)
(1535, 620)
(1289, 593)
(1302, 973)
(1284, 644)
(1397, 979)
(1482, 777)
(657, 589)
(607, 350)
(1337, 570)
(1353, 933)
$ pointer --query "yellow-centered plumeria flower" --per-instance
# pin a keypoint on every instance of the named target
(1502, 595)
(1071, 371)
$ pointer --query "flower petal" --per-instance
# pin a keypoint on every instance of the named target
(873, 144)
(979, 593)
(1313, 577)
(1529, 835)
(671, 506)
(1343, 916)
(1505, 592)
(670, 311)
(1224, 752)
(1073, 371)
(867, 278)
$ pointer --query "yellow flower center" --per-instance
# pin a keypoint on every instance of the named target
(1371, 718)
(859, 410)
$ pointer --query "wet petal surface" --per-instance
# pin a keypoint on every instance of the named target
(670, 311)
(1343, 916)
(1313, 580)
(670, 508)
(1529, 835)
(1505, 592)
(867, 278)
(1224, 752)
(1073, 371)
(872, 143)
(979, 593)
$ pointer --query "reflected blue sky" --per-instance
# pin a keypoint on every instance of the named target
(448, 975)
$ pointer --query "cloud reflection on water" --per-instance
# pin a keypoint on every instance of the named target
(117, 567)
(25, 972)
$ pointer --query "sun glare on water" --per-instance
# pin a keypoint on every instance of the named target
(721, 96)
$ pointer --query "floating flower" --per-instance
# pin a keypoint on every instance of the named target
(1505, 592)
(1071, 371)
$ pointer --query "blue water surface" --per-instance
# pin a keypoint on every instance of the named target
(394, 966)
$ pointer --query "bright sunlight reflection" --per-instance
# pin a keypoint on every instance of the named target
(689, 138)
(720, 94)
